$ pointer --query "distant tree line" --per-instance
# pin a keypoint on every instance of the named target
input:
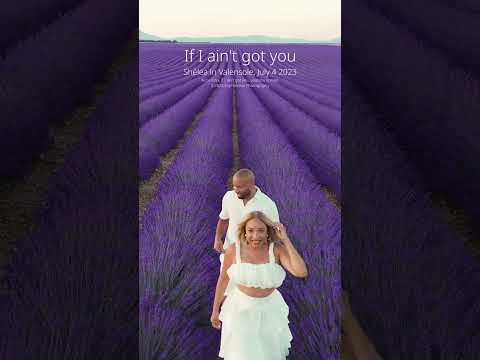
(162, 41)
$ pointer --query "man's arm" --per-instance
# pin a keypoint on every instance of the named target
(222, 226)
(221, 230)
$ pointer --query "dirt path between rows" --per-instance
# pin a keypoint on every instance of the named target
(235, 143)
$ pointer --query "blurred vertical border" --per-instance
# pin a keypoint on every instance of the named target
(410, 175)
(69, 183)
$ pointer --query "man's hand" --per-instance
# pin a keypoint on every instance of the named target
(215, 321)
(218, 246)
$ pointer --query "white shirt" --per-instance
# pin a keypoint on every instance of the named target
(235, 210)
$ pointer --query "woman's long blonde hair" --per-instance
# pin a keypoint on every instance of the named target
(271, 233)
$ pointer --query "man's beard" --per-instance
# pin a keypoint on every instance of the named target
(244, 195)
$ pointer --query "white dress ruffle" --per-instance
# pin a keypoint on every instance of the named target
(263, 276)
(254, 328)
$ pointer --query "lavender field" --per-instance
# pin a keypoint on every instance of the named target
(410, 236)
(199, 122)
(68, 245)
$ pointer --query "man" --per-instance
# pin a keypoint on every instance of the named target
(244, 198)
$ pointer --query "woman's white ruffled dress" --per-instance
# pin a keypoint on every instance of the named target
(255, 328)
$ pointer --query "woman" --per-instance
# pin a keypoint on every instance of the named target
(254, 316)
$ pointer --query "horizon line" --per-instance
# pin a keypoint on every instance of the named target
(337, 37)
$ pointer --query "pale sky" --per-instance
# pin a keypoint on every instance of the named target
(306, 19)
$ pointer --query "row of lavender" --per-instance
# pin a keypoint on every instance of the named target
(431, 106)
(312, 88)
(161, 81)
(174, 92)
(158, 85)
(324, 111)
(165, 119)
(412, 281)
(71, 281)
(324, 159)
(23, 18)
(44, 78)
(447, 29)
(312, 221)
(316, 70)
(169, 224)
(471, 6)
(411, 278)
(309, 76)
(178, 269)
(318, 146)
(160, 63)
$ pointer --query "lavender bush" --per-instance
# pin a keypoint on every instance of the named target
(314, 229)
(32, 97)
(411, 278)
(21, 19)
(162, 132)
(153, 106)
(73, 281)
(430, 106)
(320, 147)
(178, 269)
(447, 29)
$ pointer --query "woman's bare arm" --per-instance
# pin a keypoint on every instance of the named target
(223, 278)
(288, 255)
(291, 260)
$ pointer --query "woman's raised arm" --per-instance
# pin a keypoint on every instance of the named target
(288, 255)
